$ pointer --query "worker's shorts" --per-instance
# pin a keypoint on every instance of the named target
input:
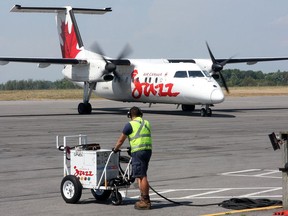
(140, 163)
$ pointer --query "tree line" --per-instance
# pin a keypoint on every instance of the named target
(37, 84)
(233, 77)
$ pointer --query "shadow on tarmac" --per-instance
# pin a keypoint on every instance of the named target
(219, 113)
(131, 202)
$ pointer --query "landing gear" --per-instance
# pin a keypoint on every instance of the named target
(187, 108)
(85, 107)
(206, 111)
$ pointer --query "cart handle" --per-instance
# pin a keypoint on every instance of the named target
(82, 139)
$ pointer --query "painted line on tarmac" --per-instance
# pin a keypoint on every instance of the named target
(215, 193)
(244, 210)
(261, 192)
(254, 173)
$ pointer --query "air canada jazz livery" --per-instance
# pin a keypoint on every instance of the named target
(185, 82)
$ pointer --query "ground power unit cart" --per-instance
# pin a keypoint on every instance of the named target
(87, 166)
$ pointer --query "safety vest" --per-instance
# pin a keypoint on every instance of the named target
(140, 138)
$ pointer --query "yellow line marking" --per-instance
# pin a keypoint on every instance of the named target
(244, 210)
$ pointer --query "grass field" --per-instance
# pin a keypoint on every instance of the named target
(77, 94)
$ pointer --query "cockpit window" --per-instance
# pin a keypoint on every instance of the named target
(206, 73)
(195, 74)
(181, 74)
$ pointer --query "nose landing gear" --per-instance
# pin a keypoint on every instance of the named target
(207, 111)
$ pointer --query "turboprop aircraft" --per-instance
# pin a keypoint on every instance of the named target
(185, 82)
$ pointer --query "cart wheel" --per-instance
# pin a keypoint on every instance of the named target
(101, 195)
(71, 189)
(116, 198)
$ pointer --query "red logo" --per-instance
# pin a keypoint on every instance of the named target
(162, 90)
(82, 172)
(70, 43)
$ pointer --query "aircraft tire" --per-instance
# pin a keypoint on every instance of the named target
(203, 112)
(187, 108)
(209, 112)
(88, 108)
(84, 108)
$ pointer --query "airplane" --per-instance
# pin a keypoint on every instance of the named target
(185, 82)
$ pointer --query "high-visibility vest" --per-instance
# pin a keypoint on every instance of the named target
(140, 138)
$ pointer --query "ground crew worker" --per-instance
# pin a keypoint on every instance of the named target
(138, 132)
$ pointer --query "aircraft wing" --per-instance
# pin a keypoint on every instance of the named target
(43, 62)
(251, 61)
(63, 61)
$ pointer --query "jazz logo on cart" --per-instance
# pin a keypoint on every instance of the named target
(82, 173)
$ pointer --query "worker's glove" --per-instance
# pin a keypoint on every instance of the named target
(115, 151)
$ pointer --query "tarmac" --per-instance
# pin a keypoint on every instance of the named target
(196, 160)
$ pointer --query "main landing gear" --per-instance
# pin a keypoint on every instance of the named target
(205, 111)
(85, 107)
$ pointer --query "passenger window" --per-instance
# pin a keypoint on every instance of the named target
(195, 74)
(180, 74)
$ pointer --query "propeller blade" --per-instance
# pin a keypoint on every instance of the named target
(111, 67)
(96, 48)
(210, 53)
(224, 82)
(217, 67)
(125, 52)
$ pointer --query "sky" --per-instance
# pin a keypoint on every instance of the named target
(153, 29)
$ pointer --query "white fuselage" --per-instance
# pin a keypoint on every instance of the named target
(158, 81)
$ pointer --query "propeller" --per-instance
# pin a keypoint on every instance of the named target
(218, 66)
(111, 67)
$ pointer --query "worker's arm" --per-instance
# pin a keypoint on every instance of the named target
(120, 141)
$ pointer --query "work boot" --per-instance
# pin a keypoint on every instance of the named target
(144, 203)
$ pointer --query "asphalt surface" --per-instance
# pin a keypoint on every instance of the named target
(196, 160)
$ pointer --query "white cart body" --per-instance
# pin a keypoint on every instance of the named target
(88, 166)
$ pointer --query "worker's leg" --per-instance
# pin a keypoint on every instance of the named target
(143, 185)
(144, 202)
(140, 167)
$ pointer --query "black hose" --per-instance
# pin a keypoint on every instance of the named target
(178, 203)
(234, 203)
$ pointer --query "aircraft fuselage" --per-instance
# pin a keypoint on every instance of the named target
(150, 82)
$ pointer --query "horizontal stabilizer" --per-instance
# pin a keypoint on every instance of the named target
(19, 8)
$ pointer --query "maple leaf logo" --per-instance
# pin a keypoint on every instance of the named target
(70, 42)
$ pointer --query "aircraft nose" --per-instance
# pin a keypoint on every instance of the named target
(217, 96)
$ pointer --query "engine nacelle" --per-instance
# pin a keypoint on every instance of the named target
(92, 72)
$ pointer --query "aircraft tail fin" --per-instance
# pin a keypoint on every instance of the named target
(69, 34)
